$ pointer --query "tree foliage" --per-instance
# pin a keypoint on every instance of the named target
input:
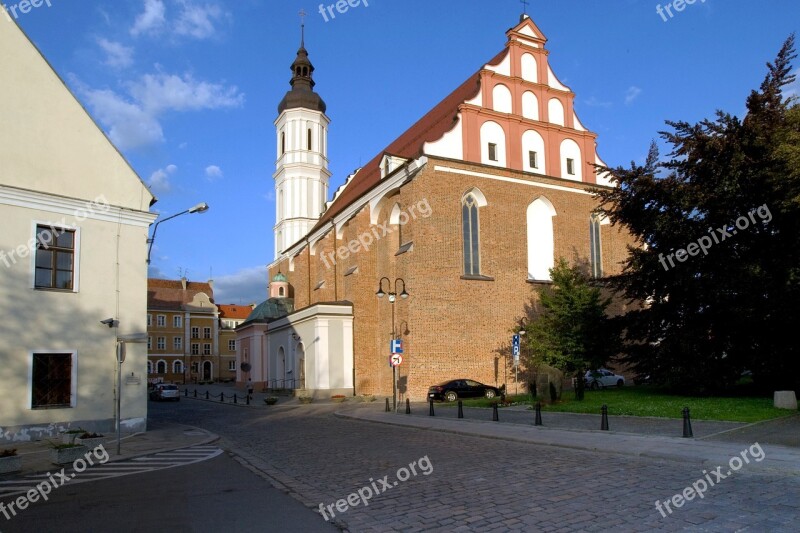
(732, 305)
(572, 332)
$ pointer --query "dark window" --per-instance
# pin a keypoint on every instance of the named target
(52, 380)
(570, 166)
(206, 349)
(55, 258)
(195, 349)
(471, 234)
(195, 333)
(533, 159)
(161, 367)
(206, 333)
(283, 143)
(309, 138)
(281, 291)
(492, 152)
(595, 250)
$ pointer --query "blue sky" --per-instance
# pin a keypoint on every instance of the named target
(188, 89)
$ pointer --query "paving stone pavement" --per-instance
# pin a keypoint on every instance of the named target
(481, 484)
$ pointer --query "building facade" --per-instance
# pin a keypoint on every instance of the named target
(457, 221)
(73, 277)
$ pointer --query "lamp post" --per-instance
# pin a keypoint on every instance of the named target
(523, 322)
(199, 208)
(392, 299)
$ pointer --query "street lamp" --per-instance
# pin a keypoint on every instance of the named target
(522, 323)
(392, 300)
(202, 207)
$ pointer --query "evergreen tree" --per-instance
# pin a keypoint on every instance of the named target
(731, 192)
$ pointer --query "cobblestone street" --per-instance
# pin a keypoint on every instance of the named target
(481, 484)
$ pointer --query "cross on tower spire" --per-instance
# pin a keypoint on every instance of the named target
(303, 16)
(525, 5)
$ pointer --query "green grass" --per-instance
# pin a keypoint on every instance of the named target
(650, 401)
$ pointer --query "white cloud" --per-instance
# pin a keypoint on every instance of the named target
(594, 102)
(117, 55)
(198, 20)
(133, 120)
(159, 180)
(247, 286)
(213, 172)
(152, 19)
(632, 94)
(161, 92)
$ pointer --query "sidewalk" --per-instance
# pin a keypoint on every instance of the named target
(707, 453)
(161, 438)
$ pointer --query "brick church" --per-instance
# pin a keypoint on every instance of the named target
(456, 224)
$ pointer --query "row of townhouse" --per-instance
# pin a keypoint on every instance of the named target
(190, 338)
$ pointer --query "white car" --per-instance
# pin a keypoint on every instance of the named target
(603, 378)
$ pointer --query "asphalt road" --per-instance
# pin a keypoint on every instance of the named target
(218, 495)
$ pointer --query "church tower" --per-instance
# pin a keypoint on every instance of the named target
(301, 177)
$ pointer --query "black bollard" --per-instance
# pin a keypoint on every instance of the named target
(222, 397)
(538, 420)
(604, 419)
(408, 406)
(687, 424)
(206, 395)
(387, 405)
(247, 399)
(195, 393)
(430, 412)
(185, 393)
(460, 409)
(495, 417)
(235, 398)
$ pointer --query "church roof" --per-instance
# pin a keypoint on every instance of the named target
(271, 310)
(234, 312)
(430, 127)
(280, 277)
(302, 94)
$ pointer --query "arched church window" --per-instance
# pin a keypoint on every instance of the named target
(471, 235)
(595, 247)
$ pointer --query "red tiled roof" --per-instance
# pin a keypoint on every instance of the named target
(234, 311)
(169, 294)
(409, 145)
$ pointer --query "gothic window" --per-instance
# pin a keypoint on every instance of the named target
(595, 249)
(471, 235)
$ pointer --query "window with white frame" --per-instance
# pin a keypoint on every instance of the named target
(206, 333)
(149, 343)
(232, 366)
(195, 333)
(177, 366)
(161, 321)
(232, 345)
(161, 344)
(206, 349)
(161, 367)
(177, 343)
(195, 349)
(55, 258)
(177, 321)
(149, 320)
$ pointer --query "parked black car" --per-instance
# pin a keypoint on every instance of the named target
(461, 388)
